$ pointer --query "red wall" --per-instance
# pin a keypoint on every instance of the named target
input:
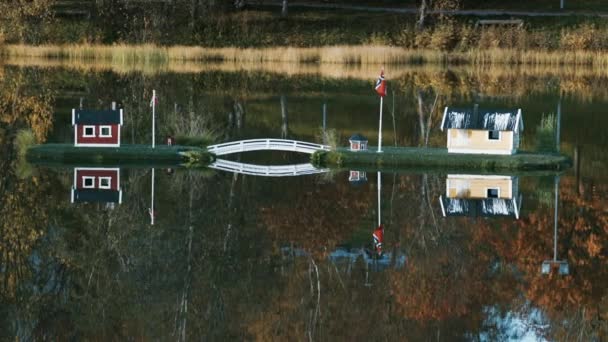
(97, 140)
(97, 174)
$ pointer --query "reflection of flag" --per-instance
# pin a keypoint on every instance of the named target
(153, 100)
(378, 239)
(381, 84)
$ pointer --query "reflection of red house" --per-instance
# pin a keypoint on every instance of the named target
(97, 127)
(96, 185)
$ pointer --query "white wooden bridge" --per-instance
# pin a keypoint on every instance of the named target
(267, 171)
(266, 145)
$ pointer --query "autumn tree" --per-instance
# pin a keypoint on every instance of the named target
(436, 7)
(21, 20)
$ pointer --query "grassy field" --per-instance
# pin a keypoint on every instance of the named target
(439, 158)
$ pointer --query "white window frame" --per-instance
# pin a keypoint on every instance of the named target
(109, 186)
(499, 135)
(101, 135)
(84, 184)
(497, 190)
(84, 131)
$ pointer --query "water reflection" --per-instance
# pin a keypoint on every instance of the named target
(213, 262)
(481, 195)
(96, 184)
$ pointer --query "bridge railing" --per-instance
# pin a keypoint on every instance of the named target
(263, 170)
(266, 144)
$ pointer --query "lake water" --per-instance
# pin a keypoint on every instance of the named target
(241, 257)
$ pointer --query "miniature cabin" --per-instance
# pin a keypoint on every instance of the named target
(358, 143)
(97, 128)
(482, 131)
(481, 195)
(357, 177)
(93, 184)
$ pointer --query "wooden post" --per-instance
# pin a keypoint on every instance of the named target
(284, 124)
(558, 123)
(394, 124)
(577, 168)
(81, 103)
(555, 219)
(561, 4)
(324, 117)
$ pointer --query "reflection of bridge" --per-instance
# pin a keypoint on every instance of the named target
(269, 171)
(265, 145)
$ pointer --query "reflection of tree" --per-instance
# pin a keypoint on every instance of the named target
(303, 219)
(583, 241)
(23, 205)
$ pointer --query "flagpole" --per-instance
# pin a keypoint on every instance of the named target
(380, 127)
(153, 119)
(379, 187)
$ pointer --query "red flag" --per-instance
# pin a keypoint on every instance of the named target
(381, 84)
(153, 100)
(378, 239)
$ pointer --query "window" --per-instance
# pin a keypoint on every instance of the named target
(105, 131)
(493, 193)
(88, 182)
(89, 131)
(105, 182)
(494, 135)
(354, 146)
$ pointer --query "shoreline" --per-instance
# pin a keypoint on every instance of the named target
(353, 55)
(439, 158)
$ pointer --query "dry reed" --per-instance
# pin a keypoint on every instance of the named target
(345, 54)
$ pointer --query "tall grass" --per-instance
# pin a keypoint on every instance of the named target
(23, 141)
(329, 137)
(545, 133)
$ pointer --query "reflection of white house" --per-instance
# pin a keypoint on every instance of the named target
(482, 131)
(481, 195)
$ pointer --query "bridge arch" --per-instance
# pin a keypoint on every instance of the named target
(266, 145)
(266, 171)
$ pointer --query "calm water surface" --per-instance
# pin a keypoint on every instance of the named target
(241, 257)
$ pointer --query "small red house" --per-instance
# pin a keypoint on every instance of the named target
(99, 128)
(94, 184)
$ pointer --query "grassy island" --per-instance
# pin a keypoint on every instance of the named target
(123, 155)
(439, 158)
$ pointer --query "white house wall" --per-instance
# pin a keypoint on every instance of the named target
(477, 141)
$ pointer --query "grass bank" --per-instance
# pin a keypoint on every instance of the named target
(162, 155)
(439, 158)
(154, 56)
